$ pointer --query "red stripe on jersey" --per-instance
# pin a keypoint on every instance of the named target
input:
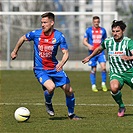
(45, 51)
(97, 37)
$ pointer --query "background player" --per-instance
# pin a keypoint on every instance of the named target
(120, 53)
(93, 37)
(47, 69)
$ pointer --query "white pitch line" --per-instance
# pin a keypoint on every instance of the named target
(40, 104)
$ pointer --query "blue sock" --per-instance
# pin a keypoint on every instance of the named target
(48, 97)
(93, 78)
(103, 74)
(70, 103)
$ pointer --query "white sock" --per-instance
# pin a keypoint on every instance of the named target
(103, 83)
(93, 85)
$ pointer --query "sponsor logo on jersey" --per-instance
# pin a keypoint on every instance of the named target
(116, 53)
(53, 40)
(45, 40)
(124, 46)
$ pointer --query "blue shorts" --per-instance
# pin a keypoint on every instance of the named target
(98, 58)
(59, 78)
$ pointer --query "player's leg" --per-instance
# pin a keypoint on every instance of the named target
(48, 87)
(116, 84)
(70, 101)
(93, 79)
(104, 76)
(93, 64)
(102, 62)
(48, 94)
(61, 80)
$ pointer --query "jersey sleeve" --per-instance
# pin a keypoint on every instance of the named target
(63, 44)
(103, 44)
(86, 34)
(130, 45)
(105, 34)
(30, 35)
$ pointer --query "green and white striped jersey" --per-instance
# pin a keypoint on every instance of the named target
(115, 50)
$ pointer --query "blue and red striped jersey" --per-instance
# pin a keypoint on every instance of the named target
(95, 36)
(45, 48)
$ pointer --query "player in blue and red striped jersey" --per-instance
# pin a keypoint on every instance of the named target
(93, 37)
(47, 69)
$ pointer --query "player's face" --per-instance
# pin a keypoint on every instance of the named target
(47, 25)
(117, 33)
(96, 23)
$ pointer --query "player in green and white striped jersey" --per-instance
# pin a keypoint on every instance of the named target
(115, 51)
(120, 55)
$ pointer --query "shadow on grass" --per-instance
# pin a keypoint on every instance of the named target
(103, 91)
(128, 115)
(62, 118)
(58, 118)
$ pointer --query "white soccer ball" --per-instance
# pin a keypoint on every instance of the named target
(22, 114)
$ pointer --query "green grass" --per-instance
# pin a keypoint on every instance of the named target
(19, 87)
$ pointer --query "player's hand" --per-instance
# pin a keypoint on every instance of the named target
(13, 55)
(126, 58)
(85, 60)
(58, 67)
(90, 47)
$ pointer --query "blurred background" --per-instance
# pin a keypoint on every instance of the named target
(12, 27)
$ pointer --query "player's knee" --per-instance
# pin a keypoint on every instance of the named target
(114, 87)
(104, 69)
(68, 89)
(50, 88)
(49, 85)
(93, 71)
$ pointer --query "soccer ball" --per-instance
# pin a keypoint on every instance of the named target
(22, 114)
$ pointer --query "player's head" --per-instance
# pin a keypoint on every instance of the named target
(118, 28)
(120, 23)
(96, 21)
(47, 22)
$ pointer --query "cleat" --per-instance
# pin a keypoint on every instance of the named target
(94, 89)
(74, 117)
(104, 88)
(49, 109)
(121, 111)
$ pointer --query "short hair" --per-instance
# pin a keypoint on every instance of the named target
(50, 15)
(96, 17)
(120, 23)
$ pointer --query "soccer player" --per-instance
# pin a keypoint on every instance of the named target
(47, 69)
(93, 37)
(120, 54)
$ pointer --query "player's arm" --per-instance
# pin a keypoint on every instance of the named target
(95, 52)
(85, 42)
(63, 60)
(18, 45)
(127, 58)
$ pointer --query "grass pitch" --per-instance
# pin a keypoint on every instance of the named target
(98, 110)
